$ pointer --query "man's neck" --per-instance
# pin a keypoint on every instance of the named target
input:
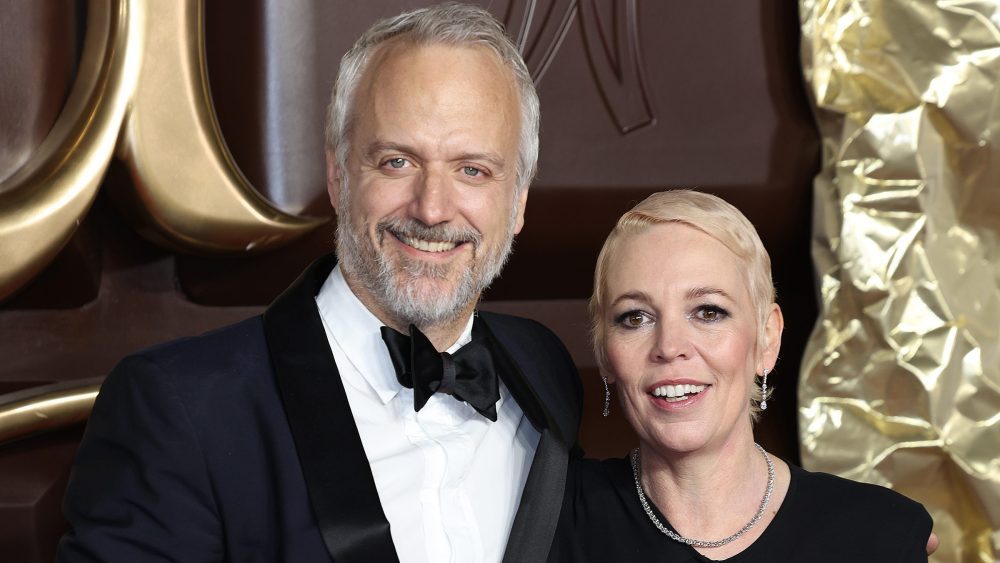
(444, 335)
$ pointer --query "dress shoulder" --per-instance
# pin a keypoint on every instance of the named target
(829, 518)
(823, 518)
(847, 498)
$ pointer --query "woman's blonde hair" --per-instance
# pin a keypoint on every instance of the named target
(714, 217)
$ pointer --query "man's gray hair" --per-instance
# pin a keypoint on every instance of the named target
(450, 24)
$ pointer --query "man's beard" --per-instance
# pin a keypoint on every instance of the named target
(405, 288)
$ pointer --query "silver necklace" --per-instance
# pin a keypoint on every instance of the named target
(701, 543)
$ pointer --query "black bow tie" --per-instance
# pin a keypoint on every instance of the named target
(468, 374)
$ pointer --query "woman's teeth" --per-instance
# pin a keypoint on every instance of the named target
(673, 393)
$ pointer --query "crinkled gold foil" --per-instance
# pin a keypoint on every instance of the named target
(901, 378)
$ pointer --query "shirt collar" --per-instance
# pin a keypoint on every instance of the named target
(357, 331)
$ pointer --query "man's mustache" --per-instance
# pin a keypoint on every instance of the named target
(412, 228)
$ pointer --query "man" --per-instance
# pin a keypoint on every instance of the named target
(331, 427)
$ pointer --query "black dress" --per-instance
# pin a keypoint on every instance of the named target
(822, 518)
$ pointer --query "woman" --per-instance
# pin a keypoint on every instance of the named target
(685, 329)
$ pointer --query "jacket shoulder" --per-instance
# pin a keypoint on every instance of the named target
(200, 370)
(227, 348)
(525, 333)
(545, 362)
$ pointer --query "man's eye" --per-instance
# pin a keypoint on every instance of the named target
(396, 162)
(472, 171)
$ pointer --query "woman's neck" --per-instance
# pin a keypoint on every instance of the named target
(711, 493)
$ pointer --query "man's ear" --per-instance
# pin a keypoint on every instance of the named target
(333, 179)
(521, 203)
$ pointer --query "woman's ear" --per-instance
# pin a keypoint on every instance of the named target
(607, 376)
(773, 326)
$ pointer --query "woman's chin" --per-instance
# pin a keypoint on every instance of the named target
(677, 440)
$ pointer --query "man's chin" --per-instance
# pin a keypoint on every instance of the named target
(434, 295)
(427, 301)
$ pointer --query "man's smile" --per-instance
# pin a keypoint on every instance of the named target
(426, 245)
(440, 240)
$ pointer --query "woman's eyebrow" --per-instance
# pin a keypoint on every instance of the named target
(632, 296)
(699, 292)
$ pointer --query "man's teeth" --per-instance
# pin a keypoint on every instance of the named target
(677, 392)
(428, 245)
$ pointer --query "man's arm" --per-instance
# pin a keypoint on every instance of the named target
(139, 490)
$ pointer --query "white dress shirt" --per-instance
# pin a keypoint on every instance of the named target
(449, 479)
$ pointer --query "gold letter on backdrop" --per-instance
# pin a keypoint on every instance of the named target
(43, 202)
(901, 378)
(142, 74)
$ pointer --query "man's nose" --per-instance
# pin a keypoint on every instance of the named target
(434, 198)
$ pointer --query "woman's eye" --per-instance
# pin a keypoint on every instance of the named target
(710, 313)
(632, 319)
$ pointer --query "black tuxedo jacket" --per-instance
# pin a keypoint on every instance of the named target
(239, 445)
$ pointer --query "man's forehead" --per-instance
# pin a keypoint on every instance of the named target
(410, 60)
(450, 98)
(404, 45)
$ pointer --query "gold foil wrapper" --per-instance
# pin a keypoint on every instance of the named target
(901, 378)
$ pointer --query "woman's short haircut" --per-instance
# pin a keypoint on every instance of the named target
(709, 214)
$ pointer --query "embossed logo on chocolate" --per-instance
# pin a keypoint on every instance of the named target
(612, 46)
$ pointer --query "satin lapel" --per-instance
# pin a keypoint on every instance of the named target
(340, 483)
(538, 511)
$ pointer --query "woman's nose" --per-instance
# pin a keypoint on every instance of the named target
(672, 341)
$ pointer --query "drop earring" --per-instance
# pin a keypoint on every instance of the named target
(763, 392)
(607, 398)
